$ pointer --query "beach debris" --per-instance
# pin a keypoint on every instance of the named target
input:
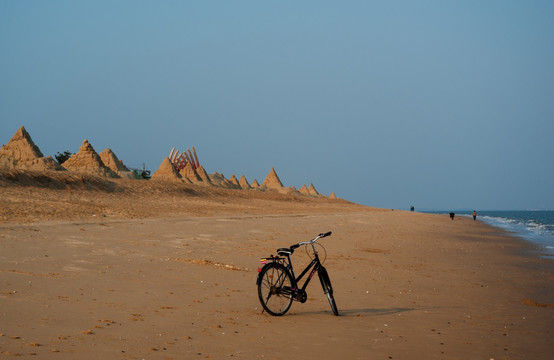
(530, 302)
(209, 262)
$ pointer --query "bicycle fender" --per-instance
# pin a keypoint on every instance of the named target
(325, 281)
(259, 278)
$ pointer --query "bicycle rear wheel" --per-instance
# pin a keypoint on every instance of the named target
(274, 289)
(328, 289)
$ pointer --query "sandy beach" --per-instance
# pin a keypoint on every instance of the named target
(124, 269)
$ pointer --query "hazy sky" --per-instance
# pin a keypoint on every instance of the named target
(437, 104)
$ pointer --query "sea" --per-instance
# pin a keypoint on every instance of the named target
(535, 226)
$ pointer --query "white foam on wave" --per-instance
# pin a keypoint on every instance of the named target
(537, 233)
(536, 227)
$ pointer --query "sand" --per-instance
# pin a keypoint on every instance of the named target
(119, 269)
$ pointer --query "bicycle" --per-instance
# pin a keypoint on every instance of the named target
(278, 286)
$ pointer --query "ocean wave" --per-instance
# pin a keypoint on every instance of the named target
(536, 227)
(529, 229)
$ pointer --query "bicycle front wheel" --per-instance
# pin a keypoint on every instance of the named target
(328, 289)
(274, 289)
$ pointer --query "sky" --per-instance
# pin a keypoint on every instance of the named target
(436, 104)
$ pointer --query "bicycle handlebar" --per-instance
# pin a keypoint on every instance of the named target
(311, 241)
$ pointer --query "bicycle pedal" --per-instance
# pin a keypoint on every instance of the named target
(301, 295)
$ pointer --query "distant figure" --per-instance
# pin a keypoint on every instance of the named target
(452, 216)
(412, 208)
(474, 215)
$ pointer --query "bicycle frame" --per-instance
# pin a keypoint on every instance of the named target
(314, 265)
(277, 278)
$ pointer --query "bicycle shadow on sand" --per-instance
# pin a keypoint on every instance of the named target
(369, 312)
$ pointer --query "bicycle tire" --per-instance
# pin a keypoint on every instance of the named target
(328, 289)
(274, 289)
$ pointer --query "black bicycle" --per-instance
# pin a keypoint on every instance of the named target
(278, 286)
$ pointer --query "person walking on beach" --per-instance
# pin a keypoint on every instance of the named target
(474, 215)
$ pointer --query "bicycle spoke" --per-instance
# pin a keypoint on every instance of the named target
(272, 290)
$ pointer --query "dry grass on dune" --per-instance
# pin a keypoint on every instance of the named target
(52, 195)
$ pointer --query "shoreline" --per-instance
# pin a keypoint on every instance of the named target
(528, 225)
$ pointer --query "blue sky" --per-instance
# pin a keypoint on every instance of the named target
(436, 104)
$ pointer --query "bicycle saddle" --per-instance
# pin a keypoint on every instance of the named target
(285, 251)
